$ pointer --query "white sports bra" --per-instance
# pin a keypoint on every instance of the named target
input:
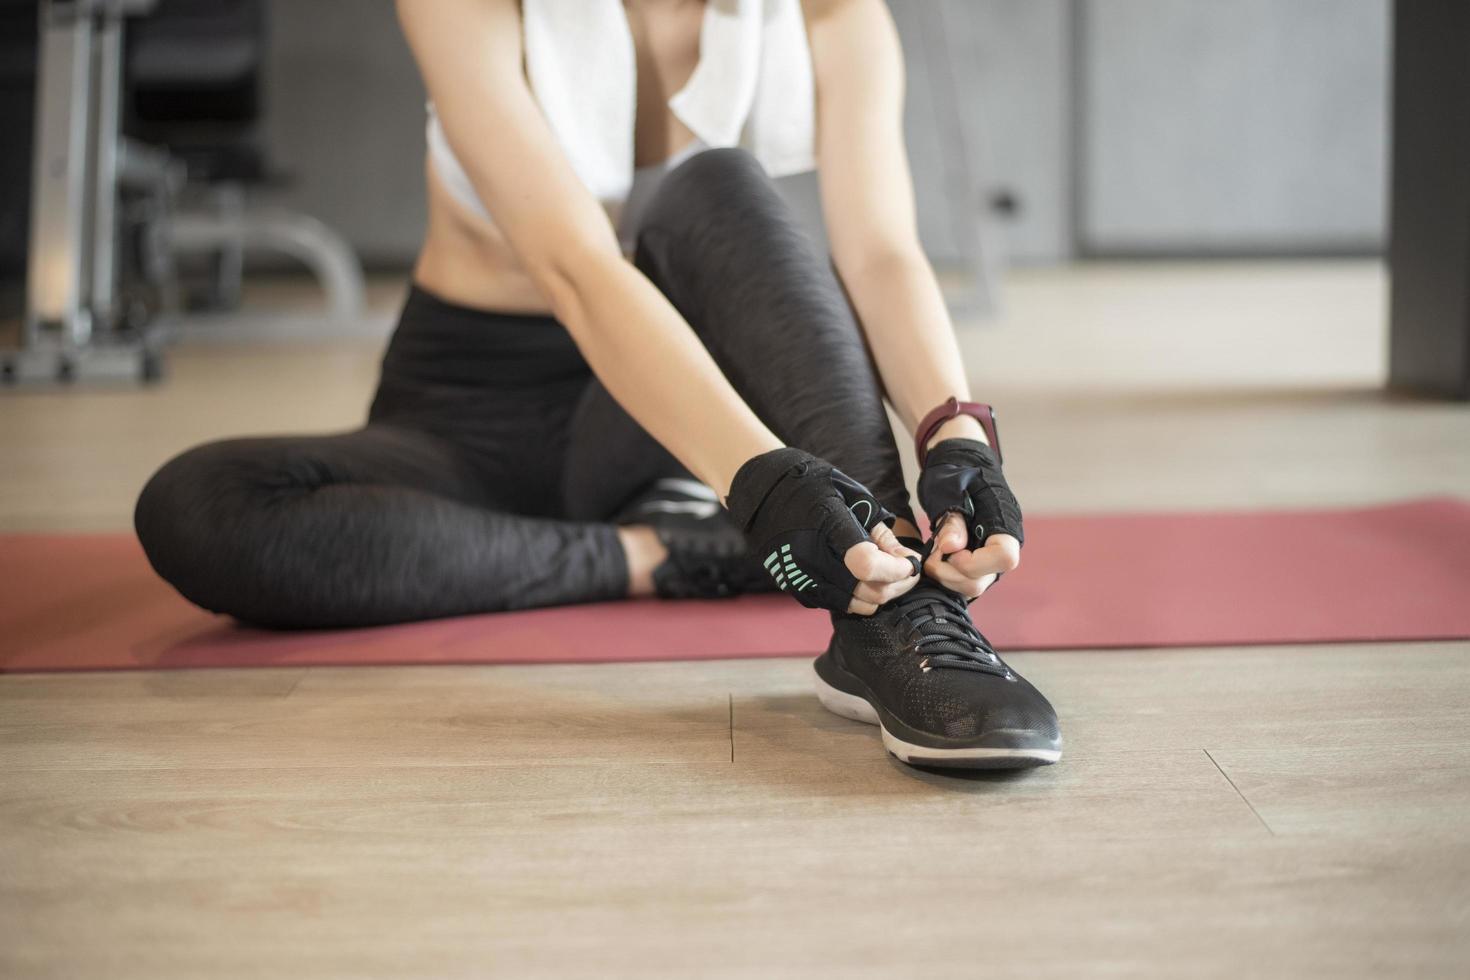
(752, 88)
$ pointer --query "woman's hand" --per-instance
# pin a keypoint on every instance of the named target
(977, 534)
(969, 572)
(820, 534)
(883, 568)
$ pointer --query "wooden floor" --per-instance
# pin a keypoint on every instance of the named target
(1262, 812)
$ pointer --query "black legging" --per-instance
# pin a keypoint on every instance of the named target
(492, 459)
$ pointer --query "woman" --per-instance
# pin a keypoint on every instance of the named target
(555, 423)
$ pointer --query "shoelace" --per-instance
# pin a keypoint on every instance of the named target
(947, 637)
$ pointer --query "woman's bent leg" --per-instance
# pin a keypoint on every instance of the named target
(732, 257)
(610, 458)
(381, 525)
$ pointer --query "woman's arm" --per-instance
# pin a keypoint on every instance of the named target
(469, 52)
(868, 203)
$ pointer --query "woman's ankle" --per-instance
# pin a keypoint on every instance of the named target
(644, 552)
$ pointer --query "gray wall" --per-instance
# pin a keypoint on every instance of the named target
(988, 116)
(1253, 125)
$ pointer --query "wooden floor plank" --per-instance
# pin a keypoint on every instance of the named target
(1361, 789)
(1173, 795)
(503, 719)
(679, 900)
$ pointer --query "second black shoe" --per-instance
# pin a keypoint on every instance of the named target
(920, 670)
(708, 557)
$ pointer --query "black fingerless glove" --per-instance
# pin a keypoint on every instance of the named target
(800, 514)
(963, 476)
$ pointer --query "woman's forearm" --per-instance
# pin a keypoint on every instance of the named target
(655, 367)
(907, 324)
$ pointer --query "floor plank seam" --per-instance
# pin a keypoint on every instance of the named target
(1238, 793)
(731, 697)
(299, 678)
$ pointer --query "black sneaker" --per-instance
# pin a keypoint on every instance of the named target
(920, 670)
(708, 556)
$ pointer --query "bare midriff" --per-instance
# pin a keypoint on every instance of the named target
(467, 261)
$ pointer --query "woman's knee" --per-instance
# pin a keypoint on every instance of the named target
(183, 519)
(173, 490)
(706, 183)
(722, 165)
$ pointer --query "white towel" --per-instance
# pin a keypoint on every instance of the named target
(752, 87)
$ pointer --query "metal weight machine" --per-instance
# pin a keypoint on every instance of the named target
(106, 223)
(77, 324)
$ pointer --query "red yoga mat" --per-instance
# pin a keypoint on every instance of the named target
(1398, 572)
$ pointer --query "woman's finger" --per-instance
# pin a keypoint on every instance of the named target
(952, 535)
(881, 592)
(869, 563)
(885, 539)
(956, 581)
(941, 561)
(1002, 553)
(950, 577)
(861, 607)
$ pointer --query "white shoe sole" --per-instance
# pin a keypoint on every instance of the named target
(858, 709)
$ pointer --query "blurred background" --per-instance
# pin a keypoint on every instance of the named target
(1209, 259)
(1121, 195)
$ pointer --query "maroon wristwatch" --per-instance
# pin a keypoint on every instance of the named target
(951, 409)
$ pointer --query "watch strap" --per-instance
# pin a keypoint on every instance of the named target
(953, 408)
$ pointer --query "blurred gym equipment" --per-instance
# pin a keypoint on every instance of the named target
(145, 144)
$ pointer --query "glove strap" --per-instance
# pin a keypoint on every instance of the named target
(952, 409)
